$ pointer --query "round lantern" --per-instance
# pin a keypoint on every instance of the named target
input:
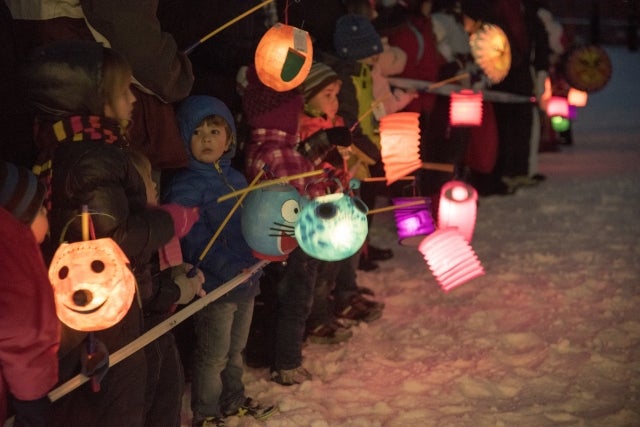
(450, 258)
(92, 283)
(558, 106)
(332, 227)
(457, 208)
(414, 223)
(283, 57)
(465, 108)
(268, 219)
(577, 97)
(491, 51)
(560, 124)
(588, 68)
(400, 145)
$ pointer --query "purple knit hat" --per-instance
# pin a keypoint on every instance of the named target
(265, 108)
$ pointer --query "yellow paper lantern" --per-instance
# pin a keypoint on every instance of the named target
(577, 97)
(491, 51)
(283, 57)
(465, 108)
(92, 283)
(400, 145)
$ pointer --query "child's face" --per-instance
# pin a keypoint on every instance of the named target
(209, 142)
(327, 100)
(40, 225)
(120, 106)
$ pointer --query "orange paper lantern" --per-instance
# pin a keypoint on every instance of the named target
(458, 207)
(93, 284)
(450, 258)
(283, 57)
(577, 97)
(465, 108)
(491, 51)
(558, 106)
(400, 145)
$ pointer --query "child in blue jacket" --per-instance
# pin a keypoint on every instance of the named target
(222, 327)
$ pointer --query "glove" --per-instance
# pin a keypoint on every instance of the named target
(183, 217)
(189, 286)
(339, 136)
(96, 363)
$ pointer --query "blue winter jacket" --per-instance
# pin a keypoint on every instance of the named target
(200, 184)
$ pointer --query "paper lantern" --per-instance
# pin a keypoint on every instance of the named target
(457, 208)
(577, 97)
(332, 227)
(283, 57)
(588, 68)
(573, 112)
(490, 49)
(558, 106)
(92, 283)
(268, 219)
(465, 108)
(450, 258)
(400, 144)
(414, 223)
(560, 124)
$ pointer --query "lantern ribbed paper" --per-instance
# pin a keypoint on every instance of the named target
(577, 97)
(450, 258)
(458, 207)
(465, 108)
(400, 145)
(414, 223)
(558, 106)
(283, 57)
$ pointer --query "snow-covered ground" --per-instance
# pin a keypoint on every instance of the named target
(550, 335)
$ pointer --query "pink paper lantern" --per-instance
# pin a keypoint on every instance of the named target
(414, 223)
(400, 145)
(465, 108)
(458, 207)
(558, 106)
(450, 258)
(577, 97)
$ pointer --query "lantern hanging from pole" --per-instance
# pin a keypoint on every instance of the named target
(414, 223)
(400, 145)
(268, 217)
(465, 108)
(332, 227)
(490, 49)
(558, 106)
(458, 207)
(577, 97)
(450, 258)
(92, 283)
(283, 57)
(560, 124)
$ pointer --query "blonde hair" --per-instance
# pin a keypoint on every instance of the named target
(115, 72)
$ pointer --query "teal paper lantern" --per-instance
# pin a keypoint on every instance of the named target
(268, 218)
(332, 227)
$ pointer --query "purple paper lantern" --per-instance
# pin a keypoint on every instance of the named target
(414, 223)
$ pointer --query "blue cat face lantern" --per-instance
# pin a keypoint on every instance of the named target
(268, 219)
(332, 227)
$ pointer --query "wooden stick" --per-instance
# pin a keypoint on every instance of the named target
(382, 178)
(442, 167)
(160, 329)
(391, 208)
(225, 25)
(275, 181)
(441, 83)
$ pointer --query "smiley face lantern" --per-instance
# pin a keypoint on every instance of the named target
(92, 284)
(268, 219)
(332, 227)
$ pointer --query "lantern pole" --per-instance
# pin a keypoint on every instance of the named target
(160, 329)
(281, 180)
(226, 25)
(391, 208)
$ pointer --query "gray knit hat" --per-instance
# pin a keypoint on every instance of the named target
(20, 192)
(356, 38)
(319, 77)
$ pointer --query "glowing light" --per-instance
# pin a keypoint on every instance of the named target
(413, 222)
(400, 145)
(458, 207)
(577, 97)
(558, 106)
(465, 108)
(560, 124)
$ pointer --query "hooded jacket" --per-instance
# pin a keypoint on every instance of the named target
(201, 184)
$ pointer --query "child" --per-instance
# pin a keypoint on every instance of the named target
(222, 327)
(29, 327)
(81, 91)
(169, 287)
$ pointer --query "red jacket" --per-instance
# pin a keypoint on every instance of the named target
(29, 327)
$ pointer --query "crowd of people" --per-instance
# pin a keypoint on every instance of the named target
(107, 115)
